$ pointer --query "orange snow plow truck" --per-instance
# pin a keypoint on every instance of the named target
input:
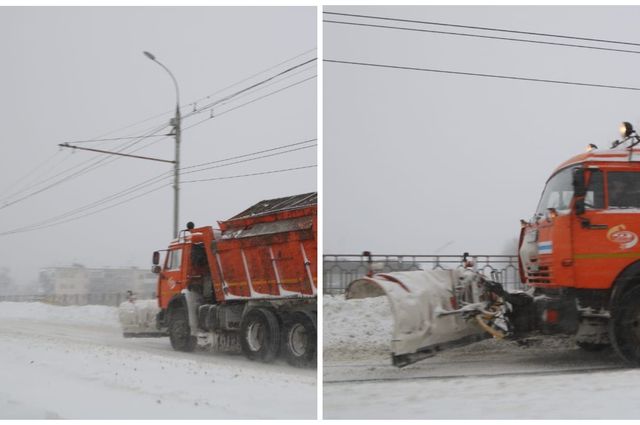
(251, 284)
(579, 257)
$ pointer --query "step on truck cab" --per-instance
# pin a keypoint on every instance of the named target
(580, 250)
(251, 283)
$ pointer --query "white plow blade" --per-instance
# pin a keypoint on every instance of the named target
(418, 300)
(138, 318)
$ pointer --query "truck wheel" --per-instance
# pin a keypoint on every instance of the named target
(300, 340)
(624, 327)
(260, 335)
(180, 332)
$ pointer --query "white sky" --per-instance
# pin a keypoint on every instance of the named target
(73, 73)
(425, 163)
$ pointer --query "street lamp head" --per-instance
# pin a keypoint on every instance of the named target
(149, 55)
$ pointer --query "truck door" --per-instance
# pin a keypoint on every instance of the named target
(172, 277)
(606, 235)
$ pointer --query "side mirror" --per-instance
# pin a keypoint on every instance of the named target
(156, 258)
(579, 188)
(155, 269)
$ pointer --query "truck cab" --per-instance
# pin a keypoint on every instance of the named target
(580, 251)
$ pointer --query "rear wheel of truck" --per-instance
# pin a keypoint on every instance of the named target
(260, 335)
(300, 341)
(180, 332)
(624, 327)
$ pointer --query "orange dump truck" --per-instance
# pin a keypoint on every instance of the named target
(251, 283)
(580, 251)
(579, 258)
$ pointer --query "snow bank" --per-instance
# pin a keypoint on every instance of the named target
(356, 328)
(81, 315)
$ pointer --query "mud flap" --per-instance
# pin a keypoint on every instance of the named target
(420, 301)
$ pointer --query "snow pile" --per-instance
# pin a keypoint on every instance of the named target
(97, 315)
(356, 329)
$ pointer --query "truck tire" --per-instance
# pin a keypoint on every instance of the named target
(300, 340)
(180, 332)
(624, 327)
(260, 335)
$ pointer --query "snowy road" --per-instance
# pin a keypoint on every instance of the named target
(72, 363)
(550, 378)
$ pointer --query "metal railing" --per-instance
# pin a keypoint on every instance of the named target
(338, 269)
(109, 299)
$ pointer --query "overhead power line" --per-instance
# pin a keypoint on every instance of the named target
(48, 184)
(490, 37)
(444, 24)
(220, 113)
(251, 154)
(250, 102)
(172, 110)
(112, 139)
(159, 179)
(29, 229)
(282, 170)
(475, 74)
(99, 162)
(251, 87)
(252, 76)
(241, 161)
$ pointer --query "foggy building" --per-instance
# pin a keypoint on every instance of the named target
(79, 280)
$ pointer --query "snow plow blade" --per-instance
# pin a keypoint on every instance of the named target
(428, 309)
(138, 319)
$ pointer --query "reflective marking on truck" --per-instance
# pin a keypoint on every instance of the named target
(545, 247)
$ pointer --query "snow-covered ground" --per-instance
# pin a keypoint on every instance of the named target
(73, 363)
(548, 378)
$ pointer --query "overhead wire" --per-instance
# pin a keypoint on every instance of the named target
(253, 76)
(172, 110)
(476, 74)
(250, 102)
(258, 84)
(282, 170)
(48, 184)
(23, 230)
(482, 28)
(582, 46)
(248, 93)
(69, 215)
(105, 161)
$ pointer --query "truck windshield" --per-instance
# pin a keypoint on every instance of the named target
(557, 193)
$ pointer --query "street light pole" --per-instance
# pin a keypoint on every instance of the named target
(175, 122)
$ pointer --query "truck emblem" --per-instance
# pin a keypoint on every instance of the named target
(620, 235)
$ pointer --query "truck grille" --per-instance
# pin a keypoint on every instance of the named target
(543, 275)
